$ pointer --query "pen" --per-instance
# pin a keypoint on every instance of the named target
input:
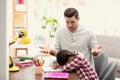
(35, 62)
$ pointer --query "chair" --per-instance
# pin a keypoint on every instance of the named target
(109, 72)
(105, 70)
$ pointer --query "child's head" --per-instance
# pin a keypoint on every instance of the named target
(63, 56)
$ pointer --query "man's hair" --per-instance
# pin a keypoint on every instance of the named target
(63, 56)
(70, 12)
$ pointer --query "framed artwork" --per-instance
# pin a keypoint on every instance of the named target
(19, 22)
(20, 5)
(19, 19)
(21, 51)
(20, 1)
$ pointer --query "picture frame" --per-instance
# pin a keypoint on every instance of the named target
(20, 2)
(20, 19)
(21, 51)
(20, 5)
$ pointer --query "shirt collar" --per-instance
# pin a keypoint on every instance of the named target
(77, 30)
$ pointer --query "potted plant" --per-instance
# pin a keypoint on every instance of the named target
(51, 24)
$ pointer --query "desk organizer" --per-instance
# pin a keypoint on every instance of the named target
(38, 70)
(56, 76)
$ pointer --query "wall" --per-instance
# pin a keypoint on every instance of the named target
(99, 16)
(3, 46)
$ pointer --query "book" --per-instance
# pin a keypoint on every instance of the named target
(24, 63)
(26, 57)
(56, 76)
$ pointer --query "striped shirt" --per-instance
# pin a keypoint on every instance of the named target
(84, 69)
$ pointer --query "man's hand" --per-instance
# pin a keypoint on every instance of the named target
(47, 50)
(44, 50)
(95, 51)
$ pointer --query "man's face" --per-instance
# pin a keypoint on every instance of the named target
(71, 23)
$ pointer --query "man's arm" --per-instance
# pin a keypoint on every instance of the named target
(52, 52)
(47, 50)
(94, 45)
(96, 50)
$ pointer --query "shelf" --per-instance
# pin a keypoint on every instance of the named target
(20, 16)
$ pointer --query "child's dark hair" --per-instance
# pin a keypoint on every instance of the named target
(63, 56)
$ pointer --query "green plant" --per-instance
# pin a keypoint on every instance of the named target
(51, 24)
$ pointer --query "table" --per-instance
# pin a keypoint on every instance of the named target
(25, 73)
(73, 76)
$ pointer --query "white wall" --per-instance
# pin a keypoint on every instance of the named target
(99, 16)
(3, 46)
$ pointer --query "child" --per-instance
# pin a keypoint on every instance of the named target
(68, 61)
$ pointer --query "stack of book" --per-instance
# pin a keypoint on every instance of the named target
(24, 63)
(26, 57)
(25, 60)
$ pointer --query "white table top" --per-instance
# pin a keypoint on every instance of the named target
(47, 65)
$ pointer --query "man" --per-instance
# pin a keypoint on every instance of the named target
(74, 37)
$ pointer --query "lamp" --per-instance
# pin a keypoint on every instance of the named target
(23, 38)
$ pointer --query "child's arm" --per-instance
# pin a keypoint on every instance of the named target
(74, 64)
(55, 65)
(88, 69)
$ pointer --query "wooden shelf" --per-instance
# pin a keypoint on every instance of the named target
(20, 15)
